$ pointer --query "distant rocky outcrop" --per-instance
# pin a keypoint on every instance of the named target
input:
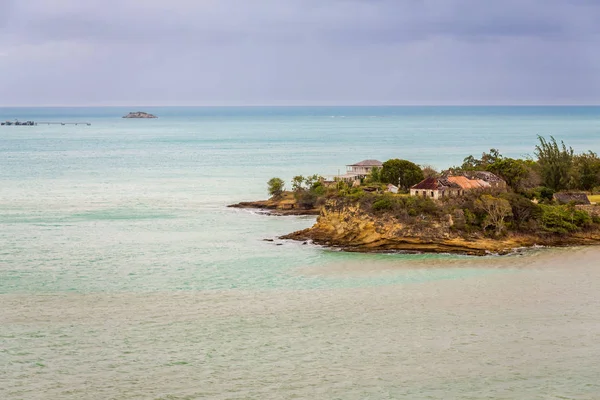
(139, 114)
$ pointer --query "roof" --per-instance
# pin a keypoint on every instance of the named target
(435, 184)
(483, 175)
(566, 198)
(367, 163)
(467, 183)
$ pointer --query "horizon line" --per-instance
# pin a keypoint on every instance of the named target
(305, 105)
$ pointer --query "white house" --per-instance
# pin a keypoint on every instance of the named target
(355, 172)
(363, 168)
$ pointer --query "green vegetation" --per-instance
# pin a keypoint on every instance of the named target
(555, 163)
(401, 173)
(556, 168)
(526, 206)
(308, 190)
(518, 174)
(586, 172)
(276, 187)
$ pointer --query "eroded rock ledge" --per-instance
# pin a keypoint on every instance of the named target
(283, 205)
(351, 229)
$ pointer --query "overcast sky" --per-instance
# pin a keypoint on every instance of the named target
(252, 52)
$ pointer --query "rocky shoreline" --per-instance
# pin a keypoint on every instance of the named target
(277, 207)
(349, 229)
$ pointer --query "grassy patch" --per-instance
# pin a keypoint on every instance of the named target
(594, 198)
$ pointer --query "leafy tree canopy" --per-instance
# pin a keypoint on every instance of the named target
(276, 186)
(402, 173)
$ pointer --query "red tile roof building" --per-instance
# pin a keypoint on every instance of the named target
(456, 185)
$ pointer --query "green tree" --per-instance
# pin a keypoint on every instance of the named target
(555, 163)
(374, 175)
(563, 219)
(311, 181)
(513, 171)
(297, 183)
(276, 186)
(523, 209)
(402, 173)
(471, 163)
(586, 171)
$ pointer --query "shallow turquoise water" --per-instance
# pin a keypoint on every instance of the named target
(123, 275)
(135, 205)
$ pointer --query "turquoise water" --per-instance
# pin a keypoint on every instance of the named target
(124, 275)
(140, 204)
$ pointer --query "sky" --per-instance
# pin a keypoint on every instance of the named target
(299, 52)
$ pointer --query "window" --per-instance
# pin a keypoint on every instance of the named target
(431, 194)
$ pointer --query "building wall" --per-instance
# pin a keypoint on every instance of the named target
(436, 194)
(359, 169)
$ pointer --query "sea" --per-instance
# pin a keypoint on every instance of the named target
(124, 275)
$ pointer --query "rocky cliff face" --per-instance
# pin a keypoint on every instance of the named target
(351, 229)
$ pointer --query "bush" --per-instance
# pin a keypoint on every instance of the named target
(306, 199)
(563, 219)
(542, 194)
(383, 204)
(318, 188)
(523, 210)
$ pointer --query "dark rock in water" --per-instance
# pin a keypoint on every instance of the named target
(305, 243)
(279, 244)
(139, 114)
(267, 240)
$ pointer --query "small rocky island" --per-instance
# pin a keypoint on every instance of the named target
(139, 114)
(494, 204)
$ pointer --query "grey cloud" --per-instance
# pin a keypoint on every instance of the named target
(299, 51)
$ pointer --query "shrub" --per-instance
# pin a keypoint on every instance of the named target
(541, 193)
(523, 210)
(383, 204)
(563, 219)
(306, 199)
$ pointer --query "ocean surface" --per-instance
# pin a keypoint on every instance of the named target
(123, 275)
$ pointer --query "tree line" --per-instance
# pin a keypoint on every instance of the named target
(553, 167)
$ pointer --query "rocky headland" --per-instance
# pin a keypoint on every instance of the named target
(139, 114)
(282, 205)
(351, 228)
(494, 204)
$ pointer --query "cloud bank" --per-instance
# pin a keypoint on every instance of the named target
(240, 52)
